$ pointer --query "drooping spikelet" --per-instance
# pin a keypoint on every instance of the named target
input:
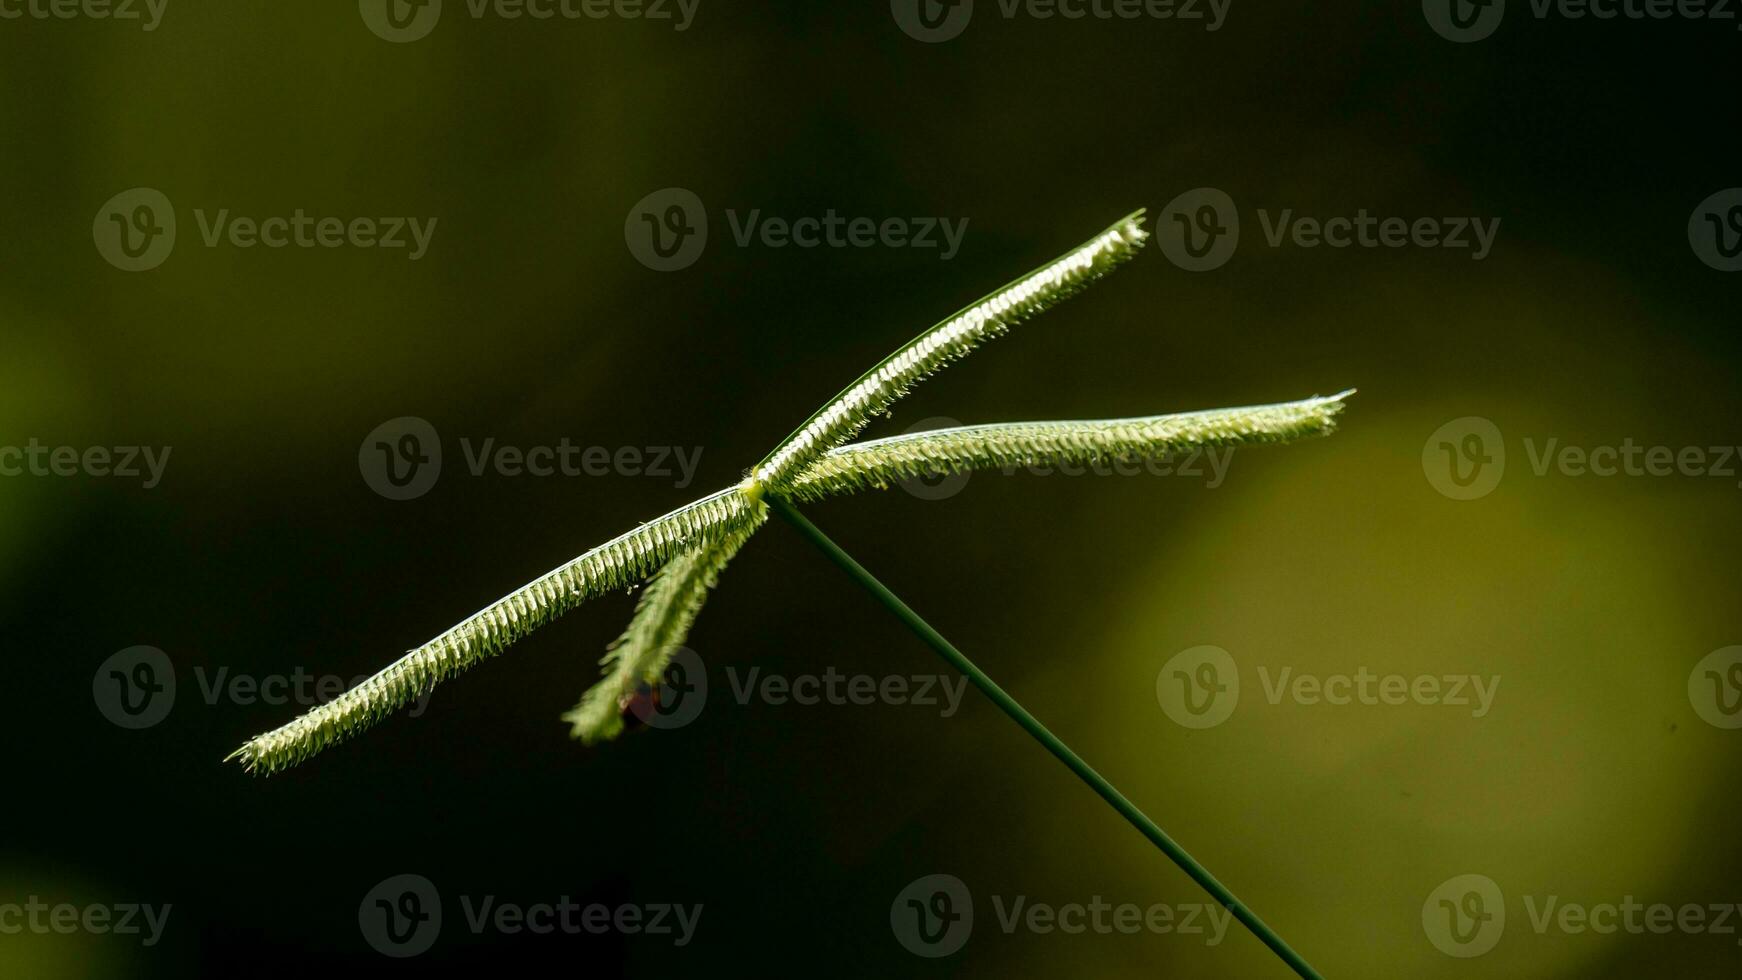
(954, 338)
(881, 462)
(662, 621)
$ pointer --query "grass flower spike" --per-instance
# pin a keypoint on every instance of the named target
(617, 564)
(685, 551)
(662, 621)
(953, 339)
(877, 463)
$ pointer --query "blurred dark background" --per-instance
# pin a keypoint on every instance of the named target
(529, 320)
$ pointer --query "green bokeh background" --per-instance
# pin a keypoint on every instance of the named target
(529, 321)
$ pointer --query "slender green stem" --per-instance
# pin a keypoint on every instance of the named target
(1051, 742)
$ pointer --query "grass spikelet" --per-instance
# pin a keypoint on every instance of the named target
(617, 564)
(668, 608)
(877, 463)
(948, 341)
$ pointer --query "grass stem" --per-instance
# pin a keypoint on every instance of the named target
(1046, 738)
